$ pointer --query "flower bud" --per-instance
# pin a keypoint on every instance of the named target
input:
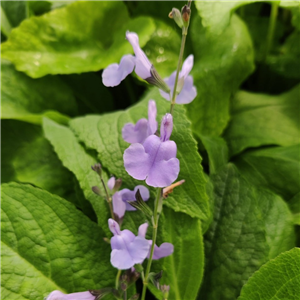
(165, 290)
(135, 297)
(185, 14)
(176, 15)
(118, 184)
(97, 168)
(96, 190)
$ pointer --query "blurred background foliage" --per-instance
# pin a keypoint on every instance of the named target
(246, 113)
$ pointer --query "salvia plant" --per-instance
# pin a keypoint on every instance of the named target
(120, 205)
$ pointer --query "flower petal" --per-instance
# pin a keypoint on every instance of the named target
(132, 253)
(135, 133)
(114, 227)
(136, 161)
(143, 230)
(111, 183)
(58, 295)
(188, 92)
(114, 73)
(119, 206)
(152, 112)
(163, 250)
(187, 66)
(166, 127)
(142, 63)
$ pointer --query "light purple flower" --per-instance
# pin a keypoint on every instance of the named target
(120, 204)
(154, 160)
(165, 249)
(142, 63)
(111, 183)
(114, 73)
(143, 128)
(186, 88)
(58, 295)
(127, 249)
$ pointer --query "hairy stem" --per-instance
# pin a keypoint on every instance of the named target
(271, 29)
(154, 234)
(108, 199)
(118, 278)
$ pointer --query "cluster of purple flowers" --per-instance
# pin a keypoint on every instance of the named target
(149, 157)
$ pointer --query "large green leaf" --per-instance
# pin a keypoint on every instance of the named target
(217, 151)
(250, 227)
(75, 158)
(259, 120)
(81, 37)
(222, 63)
(48, 244)
(15, 11)
(276, 168)
(29, 100)
(103, 133)
(28, 157)
(278, 279)
(183, 270)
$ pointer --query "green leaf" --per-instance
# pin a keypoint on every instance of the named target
(48, 244)
(183, 270)
(5, 25)
(216, 15)
(277, 279)
(75, 158)
(103, 133)
(259, 120)
(294, 205)
(28, 157)
(217, 151)
(29, 99)
(81, 37)
(15, 11)
(221, 65)
(250, 227)
(275, 168)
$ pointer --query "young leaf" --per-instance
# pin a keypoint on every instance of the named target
(275, 168)
(250, 227)
(75, 158)
(277, 279)
(259, 120)
(48, 244)
(81, 37)
(222, 62)
(103, 133)
(29, 100)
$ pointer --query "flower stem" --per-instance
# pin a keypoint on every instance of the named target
(118, 278)
(154, 234)
(183, 39)
(108, 199)
(271, 29)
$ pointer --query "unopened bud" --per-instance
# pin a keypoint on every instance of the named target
(123, 286)
(97, 168)
(185, 14)
(118, 184)
(96, 190)
(106, 240)
(176, 15)
(156, 80)
(165, 290)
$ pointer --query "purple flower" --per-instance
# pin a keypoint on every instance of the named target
(120, 199)
(187, 90)
(142, 64)
(127, 249)
(111, 183)
(154, 160)
(114, 73)
(163, 250)
(143, 128)
(58, 295)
